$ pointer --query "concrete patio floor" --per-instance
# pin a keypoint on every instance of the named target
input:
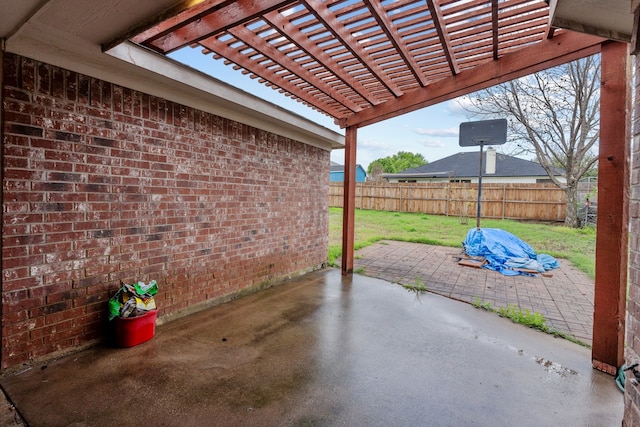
(326, 350)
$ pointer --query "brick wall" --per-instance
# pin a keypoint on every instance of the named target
(632, 351)
(103, 184)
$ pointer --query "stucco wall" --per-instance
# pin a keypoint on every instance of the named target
(103, 184)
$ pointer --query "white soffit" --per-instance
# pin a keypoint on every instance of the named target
(612, 19)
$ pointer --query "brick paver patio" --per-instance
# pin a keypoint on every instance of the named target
(565, 299)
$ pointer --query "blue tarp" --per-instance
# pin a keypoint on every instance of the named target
(504, 252)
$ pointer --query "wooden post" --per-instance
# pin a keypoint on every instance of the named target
(349, 203)
(613, 209)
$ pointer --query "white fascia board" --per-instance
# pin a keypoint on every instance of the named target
(137, 68)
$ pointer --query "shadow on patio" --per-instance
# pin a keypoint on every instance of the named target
(324, 349)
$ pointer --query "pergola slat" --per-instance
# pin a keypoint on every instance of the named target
(302, 40)
(357, 54)
(231, 15)
(443, 35)
(253, 67)
(546, 54)
(332, 23)
(391, 32)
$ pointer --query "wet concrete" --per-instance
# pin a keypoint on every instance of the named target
(565, 298)
(326, 350)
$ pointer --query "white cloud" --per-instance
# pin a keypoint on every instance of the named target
(368, 150)
(433, 143)
(375, 144)
(458, 106)
(449, 132)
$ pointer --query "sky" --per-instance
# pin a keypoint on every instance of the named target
(432, 131)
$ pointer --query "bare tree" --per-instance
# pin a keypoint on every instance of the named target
(553, 114)
(375, 173)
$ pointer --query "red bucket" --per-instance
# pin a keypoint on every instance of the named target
(132, 331)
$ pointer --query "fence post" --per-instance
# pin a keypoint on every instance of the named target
(448, 198)
(406, 200)
(504, 198)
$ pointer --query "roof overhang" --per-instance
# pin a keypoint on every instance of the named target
(357, 61)
(70, 34)
(611, 19)
(365, 61)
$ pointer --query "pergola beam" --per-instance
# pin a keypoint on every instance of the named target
(184, 17)
(160, 23)
(231, 15)
(438, 23)
(494, 27)
(549, 53)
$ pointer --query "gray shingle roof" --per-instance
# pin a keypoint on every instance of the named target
(466, 165)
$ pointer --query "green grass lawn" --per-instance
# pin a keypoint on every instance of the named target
(577, 245)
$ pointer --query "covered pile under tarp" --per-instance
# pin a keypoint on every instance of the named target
(506, 253)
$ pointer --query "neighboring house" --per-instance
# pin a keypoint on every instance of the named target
(336, 173)
(464, 167)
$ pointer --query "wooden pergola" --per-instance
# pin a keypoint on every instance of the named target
(365, 61)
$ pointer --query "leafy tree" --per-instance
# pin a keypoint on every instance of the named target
(398, 162)
(553, 114)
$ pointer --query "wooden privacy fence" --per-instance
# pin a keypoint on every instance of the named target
(543, 202)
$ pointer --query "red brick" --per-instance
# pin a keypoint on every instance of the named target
(129, 187)
(13, 263)
(18, 273)
(68, 295)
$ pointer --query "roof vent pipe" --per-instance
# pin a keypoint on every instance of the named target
(490, 165)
